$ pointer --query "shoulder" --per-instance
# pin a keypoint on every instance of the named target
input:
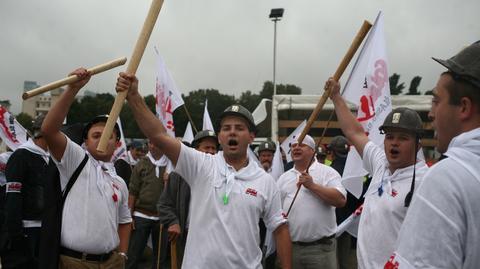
(289, 174)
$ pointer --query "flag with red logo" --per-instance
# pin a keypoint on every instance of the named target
(368, 87)
(11, 132)
(120, 151)
(167, 96)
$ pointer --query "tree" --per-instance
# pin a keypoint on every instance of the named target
(25, 120)
(249, 100)
(267, 90)
(413, 89)
(395, 88)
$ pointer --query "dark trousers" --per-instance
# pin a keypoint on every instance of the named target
(138, 241)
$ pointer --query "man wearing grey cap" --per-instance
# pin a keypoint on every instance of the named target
(266, 150)
(441, 229)
(312, 222)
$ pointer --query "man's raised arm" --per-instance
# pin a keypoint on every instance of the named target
(150, 125)
(348, 123)
(56, 140)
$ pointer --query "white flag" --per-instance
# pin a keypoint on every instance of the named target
(121, 151)
(207, 122)
(368, 87)
(188, 135)
(291, 139)
(260, 112)
(167, 97)
(350, 224)
(277, 164)
(11, 132)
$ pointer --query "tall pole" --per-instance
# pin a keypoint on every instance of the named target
(274, 128)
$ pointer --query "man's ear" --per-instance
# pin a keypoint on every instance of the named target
(466, 108)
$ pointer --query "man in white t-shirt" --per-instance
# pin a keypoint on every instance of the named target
(395, 172)
(312, 221)
(229, 192)
(95, 219)
(442, 227)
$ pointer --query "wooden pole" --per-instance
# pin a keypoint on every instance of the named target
(190, 119)
(159, 253)
(173, 254)
(137, 54)
(341, 68)
(71, 79)
(362, 33)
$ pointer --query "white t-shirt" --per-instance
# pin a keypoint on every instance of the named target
(310, 218)
(226, 235)
(442, 227)
(383, 215)
(95, 205)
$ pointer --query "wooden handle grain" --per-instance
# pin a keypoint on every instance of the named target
(357, 41)
(71, 79)
(137, 54)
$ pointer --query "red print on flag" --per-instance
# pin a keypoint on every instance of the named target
(3, 125)
(392, 264)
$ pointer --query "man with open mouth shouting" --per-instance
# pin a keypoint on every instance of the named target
(395, 172)
(229, 192)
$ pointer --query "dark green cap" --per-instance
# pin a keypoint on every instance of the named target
(403, 118)
(465, 65)
(239, 111)
(269, 145)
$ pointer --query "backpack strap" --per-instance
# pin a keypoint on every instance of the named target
(73, 178)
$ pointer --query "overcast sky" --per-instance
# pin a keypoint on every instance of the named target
(223, 44)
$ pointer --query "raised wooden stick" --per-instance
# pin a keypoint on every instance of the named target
(362, 33)
(71, 79)
(137, 54)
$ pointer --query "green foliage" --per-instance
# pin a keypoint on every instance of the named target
(413, 89)
(395, 88)
(25, 120)
(267, 90)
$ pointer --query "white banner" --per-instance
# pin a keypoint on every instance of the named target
(207, 121)
(11, 132)
(368, 87)
(188, 135)
(291, 139)
(121, 151)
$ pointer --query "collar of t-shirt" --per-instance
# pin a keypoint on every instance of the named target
(399, 174)
(103, 167)
(465, 149)
(130, 160)
(33, 148)
(229, 174)
(162, 161)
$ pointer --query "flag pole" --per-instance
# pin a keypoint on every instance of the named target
(132, 67)
(190, 118)
(357, 41)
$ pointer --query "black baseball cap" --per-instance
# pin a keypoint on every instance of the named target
(97, 119)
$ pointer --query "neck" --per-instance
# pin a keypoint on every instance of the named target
(237, 163)
(41, 143)
(302, 165)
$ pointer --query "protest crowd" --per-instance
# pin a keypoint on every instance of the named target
(215, 201)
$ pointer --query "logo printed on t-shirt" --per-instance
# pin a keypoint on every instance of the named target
(394, 192)
(251, 191)
(14, 187)
(391, 263)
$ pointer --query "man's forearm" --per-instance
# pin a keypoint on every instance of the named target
(124, 235)
(329, 195)
(57, 113)
(284, 246)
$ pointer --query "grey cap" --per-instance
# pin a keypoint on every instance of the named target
(339, 146)
(238, 110)
(269, 145)
(201, 135)
(403, 118)
(465, 64)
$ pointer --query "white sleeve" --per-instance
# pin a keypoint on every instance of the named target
(432, 233)
(194, 165)
(72, 157)
(124, 215)
(334, 180)
(373, 157)
(273, 213)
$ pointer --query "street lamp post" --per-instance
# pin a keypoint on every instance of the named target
(276, 14)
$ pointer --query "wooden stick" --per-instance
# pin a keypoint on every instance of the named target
(190, 119)
(173, 254)
(71, 79)
(137, 54)
(362, 33)
(341, 68)
(159, 245)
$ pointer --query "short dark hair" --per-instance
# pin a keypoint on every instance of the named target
(459, 88)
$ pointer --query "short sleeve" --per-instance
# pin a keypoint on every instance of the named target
(72, 157)
(334, 180)
(373, 157)
(273, 213)
(193, 165)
